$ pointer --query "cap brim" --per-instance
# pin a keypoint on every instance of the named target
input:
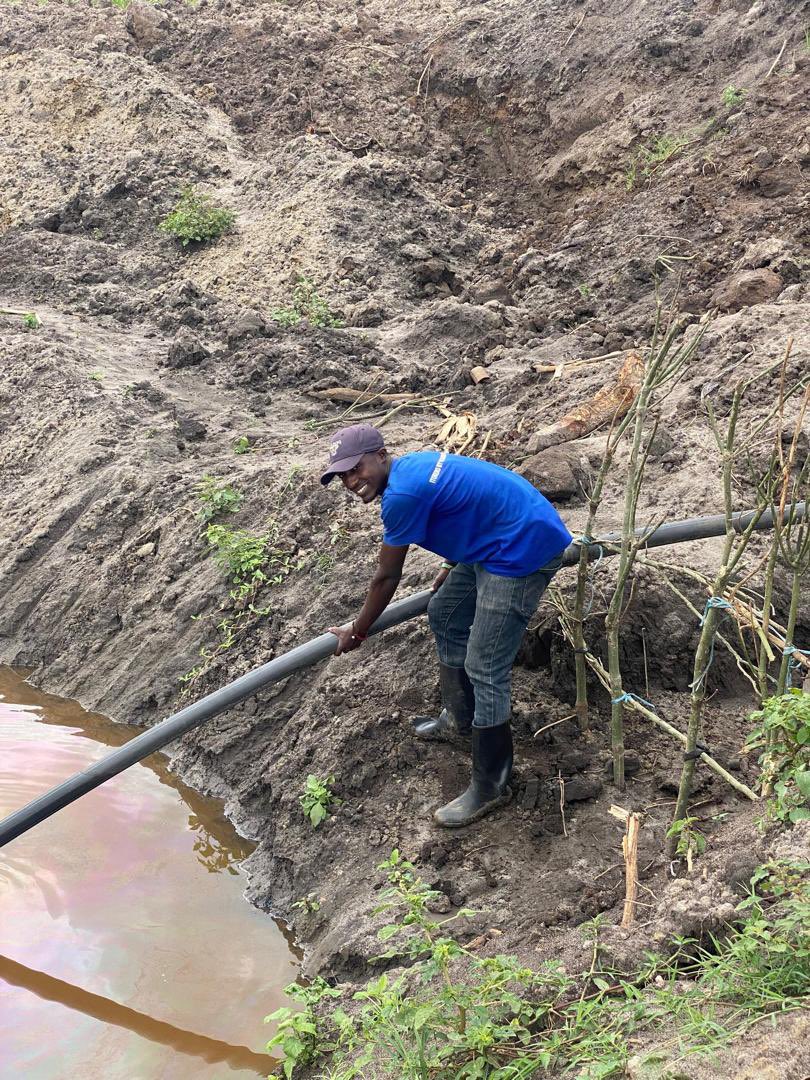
(339, 467)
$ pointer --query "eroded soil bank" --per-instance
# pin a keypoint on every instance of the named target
(505, 186)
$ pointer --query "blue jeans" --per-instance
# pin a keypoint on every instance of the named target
(479, 619)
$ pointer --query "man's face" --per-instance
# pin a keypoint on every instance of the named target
(368, 478)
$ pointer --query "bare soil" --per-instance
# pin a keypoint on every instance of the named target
(457, 180)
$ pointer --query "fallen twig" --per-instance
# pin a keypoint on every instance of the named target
(350, 396)
(548, 369)
(561, 782)
(571, 35)
(772, 68)
(553, 724)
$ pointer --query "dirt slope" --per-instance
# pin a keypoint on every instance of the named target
(464, 185)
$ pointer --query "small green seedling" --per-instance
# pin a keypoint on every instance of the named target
(308, 904)
(658, 151)
(96, 375)
(317, 799)
(691, 841)
(307, 304)
(31, 320)
(195, 219)
(241, 445)
(732, 97)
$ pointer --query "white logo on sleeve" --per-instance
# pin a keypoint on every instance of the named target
(434, 476)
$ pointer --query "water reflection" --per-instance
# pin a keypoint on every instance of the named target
(123, 907)
(110, 1012)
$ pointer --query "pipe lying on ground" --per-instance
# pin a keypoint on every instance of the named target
(311, 653)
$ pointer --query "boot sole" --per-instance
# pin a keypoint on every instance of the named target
(504, 800)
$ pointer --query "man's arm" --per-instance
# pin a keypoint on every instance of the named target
(382, 588)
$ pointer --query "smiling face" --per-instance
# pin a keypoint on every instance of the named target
(369, 476)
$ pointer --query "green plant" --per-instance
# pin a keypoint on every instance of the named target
(216, 498)
(732, 97)
(307, 304)
(239, 553)
(31, 320)
(241, 445)
(299, 1035)
(783, 731)
(97, 375)
(195, 219)
(689, 840)
(338, 535)
(317, 799)
(308, 904)
(494, 1018)
(584, 290)
(252, 563)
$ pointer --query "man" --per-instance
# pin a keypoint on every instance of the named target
(501, 543)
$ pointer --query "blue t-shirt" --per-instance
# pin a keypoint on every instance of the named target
(470, 511)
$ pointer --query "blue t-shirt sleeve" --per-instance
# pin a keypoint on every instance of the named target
(404, 519)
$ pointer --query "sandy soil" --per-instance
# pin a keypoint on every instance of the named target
(458, 183)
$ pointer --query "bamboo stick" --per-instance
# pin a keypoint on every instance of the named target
(602, 675)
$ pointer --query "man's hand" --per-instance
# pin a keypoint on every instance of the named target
(440, 578)
(347, 639)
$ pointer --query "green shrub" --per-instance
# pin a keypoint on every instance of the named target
(195, 219)
(783, 733)
(239, 553)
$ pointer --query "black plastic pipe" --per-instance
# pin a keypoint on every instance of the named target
(305, 656)
(699, 528)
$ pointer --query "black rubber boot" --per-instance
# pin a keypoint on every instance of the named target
(456, 717)
(491, 768)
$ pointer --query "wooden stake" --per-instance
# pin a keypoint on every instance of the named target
(630, 852)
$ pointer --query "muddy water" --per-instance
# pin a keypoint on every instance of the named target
(126, 949)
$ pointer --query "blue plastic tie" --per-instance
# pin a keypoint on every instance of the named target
(712, 602)
(632, 697)
(793, 665)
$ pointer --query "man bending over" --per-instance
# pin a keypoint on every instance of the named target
(501, 543)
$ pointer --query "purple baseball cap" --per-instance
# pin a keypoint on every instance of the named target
(348, 445)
